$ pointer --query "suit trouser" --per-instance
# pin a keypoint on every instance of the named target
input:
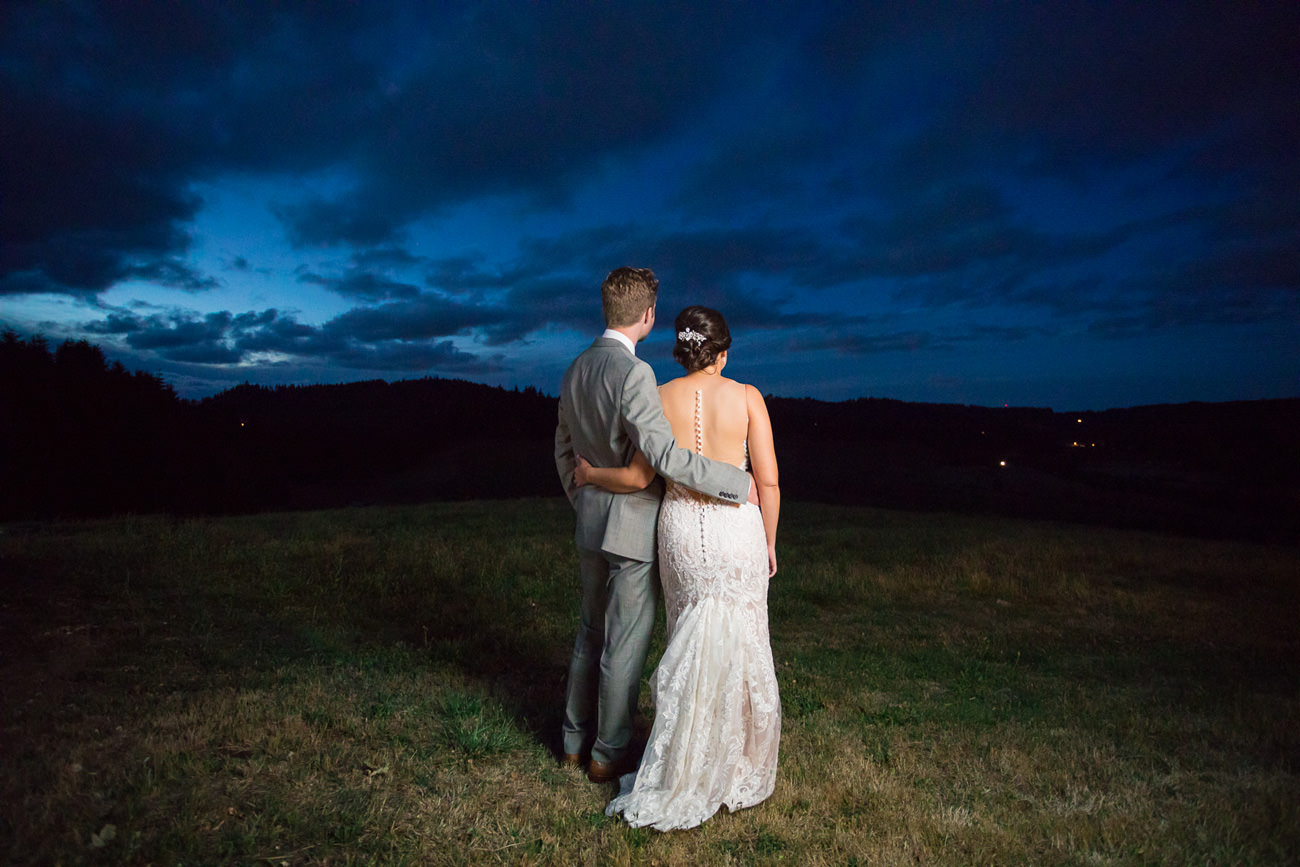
(619, 597)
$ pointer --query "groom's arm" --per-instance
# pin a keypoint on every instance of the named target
(643, 416)
(565, 459)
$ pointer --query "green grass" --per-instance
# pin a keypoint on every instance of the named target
(384, 685)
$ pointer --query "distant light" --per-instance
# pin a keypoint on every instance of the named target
(1002, 463)
(1080, 421)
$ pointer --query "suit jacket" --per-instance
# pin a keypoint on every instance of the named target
(610, 408)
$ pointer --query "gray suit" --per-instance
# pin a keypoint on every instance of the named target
(609, 409)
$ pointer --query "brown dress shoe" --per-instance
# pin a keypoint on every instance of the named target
(607, 772)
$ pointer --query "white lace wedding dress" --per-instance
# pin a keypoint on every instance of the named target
(717, 710)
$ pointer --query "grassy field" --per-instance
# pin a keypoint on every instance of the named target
(384, 685)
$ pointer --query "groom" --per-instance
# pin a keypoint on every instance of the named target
(609, 409)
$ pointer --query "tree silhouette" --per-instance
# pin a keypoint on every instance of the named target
(81, 436)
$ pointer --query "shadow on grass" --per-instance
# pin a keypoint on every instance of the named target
(498, 643)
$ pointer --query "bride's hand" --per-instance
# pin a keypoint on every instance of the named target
(580, 472)
(771, 561)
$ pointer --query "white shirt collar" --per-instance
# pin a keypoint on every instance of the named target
(621, 338)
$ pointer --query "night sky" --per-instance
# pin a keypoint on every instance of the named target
(1074, 205)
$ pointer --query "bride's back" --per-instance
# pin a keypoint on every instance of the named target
(724, 416)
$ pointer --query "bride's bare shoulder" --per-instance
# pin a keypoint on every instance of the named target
(672, 386)
(737, 389)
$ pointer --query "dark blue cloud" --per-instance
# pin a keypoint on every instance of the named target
(176, 336)
(422, 317)
(397, 337)
(363, 285)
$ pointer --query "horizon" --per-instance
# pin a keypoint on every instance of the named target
(542, 392)
(948, 205)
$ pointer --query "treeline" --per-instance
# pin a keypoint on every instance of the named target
(81, 437)
(376, 441)
(1218, 469)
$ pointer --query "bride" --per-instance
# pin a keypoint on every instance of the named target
(717, 711)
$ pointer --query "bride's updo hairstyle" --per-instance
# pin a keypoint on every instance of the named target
(702, 336)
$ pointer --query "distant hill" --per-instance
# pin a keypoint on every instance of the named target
(365, 442)
(81, 437)
(1206, 468)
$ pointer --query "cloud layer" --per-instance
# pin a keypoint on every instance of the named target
(441, 187)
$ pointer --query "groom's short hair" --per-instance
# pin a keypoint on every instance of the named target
(626, 294)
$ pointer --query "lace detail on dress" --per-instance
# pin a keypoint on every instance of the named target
(717, 721)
